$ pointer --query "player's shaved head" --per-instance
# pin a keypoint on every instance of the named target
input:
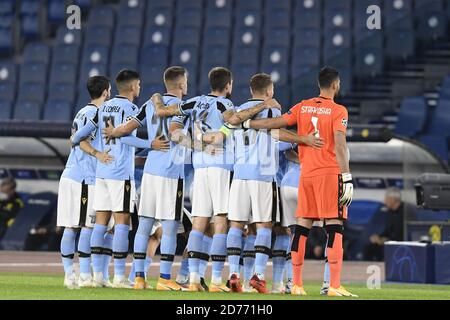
(97, 85)
(327, 76)
(219, 78)
(173, 75)
(125, 78)
(260, 83)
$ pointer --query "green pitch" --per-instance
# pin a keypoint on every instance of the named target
(36, 286)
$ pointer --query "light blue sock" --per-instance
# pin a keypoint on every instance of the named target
(184, 269)
(234, 248)
(206, 250)
(279, 257)
(68, 249)
(97, 244)
(288, 264)
(168, 247)
(84, 250)
(249, 257)
(262, 249)
(218, 257)
(131, 275)
(194, 249)
(148, 263)
(107, 254)
(120, 248)
(141, 244)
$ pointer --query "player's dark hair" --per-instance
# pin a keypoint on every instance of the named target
(124, 77)
(219, 77)
(327, 76)
(260, 82)
(173, 73)
(97, 85)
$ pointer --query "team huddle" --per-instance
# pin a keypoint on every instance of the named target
(258, 182)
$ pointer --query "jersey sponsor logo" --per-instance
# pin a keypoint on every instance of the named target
(315, 110)
(345, 122)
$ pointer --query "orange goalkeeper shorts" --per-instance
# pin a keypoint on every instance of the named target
(318, 198)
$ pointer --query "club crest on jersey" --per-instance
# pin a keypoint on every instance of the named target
(128, 118)
(345, 122)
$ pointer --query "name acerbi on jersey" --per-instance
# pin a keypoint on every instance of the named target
(315, 110)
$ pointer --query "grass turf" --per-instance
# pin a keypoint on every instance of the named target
(49, 287)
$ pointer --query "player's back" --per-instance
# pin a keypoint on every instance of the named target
(208, 110)
(256, 152)
(81, 166)
(168, 164)
(117, 111)
(325, 117)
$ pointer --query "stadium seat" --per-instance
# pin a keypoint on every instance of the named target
(445, 87)
(63, 73)
(243, 72)
(337, 19)
(128, 36)
(30, 27)
(6, 22)
(279, 74)
(215, 55)
(148, 89)
(400, 44)
(189, 17)
(56, 11)
(219, 18)
(66, 53)
(132, 4)
(65, 36)
(219, 5)
(160, 17)
(130, 17)
(217, 36)
(156, 4)
(151, 73)
(32, 92)
(98, 35)
(62, 92)
(95, 54)
(83, 99)
(275, 55)
(83, 4)
(365, 38)
(245, 55)
(55, 110)
(187, 36)
(5, 109)
(278, 37)
(305, 56)
(440, 121)
(6, 41)
(331, 5)
(247, 37)
(369, 62)
(248, 19)
(37, 52)
(101, 16)
(8, 72)
(89, 70)
(279, 18)
(6, 8)
(307, 38)
(33, 72)
(245, 4)
(183, 6)
(183, 55)
(432, 25)
(241, 94)
(423, 6)
(412, 116)
(7, 91)
(27, 110)
(154, 54)
(29, 8)
(157, 36)
(438, 144)
(336, 39)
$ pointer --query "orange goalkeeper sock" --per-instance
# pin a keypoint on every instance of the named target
(335, 253)
(298, 253)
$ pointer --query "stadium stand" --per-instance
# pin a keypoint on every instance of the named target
(290, 39)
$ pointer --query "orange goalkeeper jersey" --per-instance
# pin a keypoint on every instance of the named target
(326, 117)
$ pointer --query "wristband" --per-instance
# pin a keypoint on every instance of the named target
(94, 153)
(246, 124)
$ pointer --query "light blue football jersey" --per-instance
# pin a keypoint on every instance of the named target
(168, 164)
(292, 176)
(117, 110)
(208, 110)
(81, 166)
(256, 152)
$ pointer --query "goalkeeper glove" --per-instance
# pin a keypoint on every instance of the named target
(347, 190)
